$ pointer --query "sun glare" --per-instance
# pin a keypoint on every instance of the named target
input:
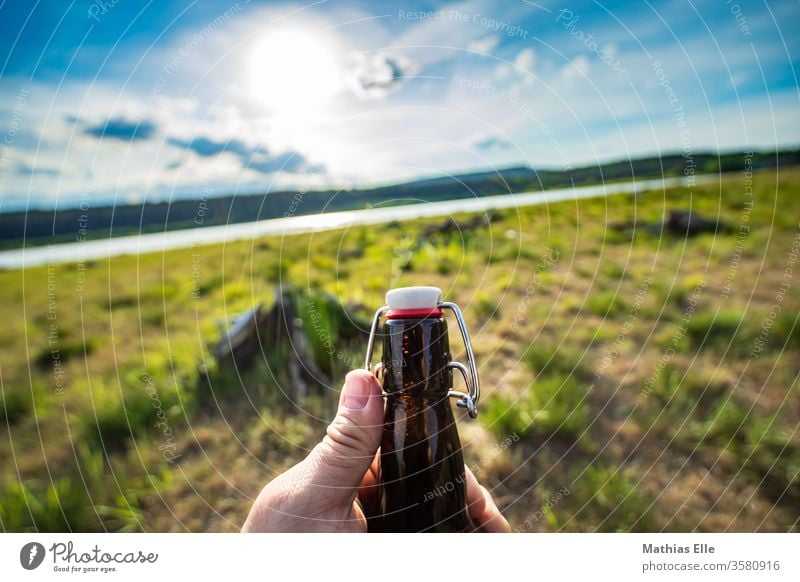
(293, 73)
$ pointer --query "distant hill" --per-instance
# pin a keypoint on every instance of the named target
(37, 227)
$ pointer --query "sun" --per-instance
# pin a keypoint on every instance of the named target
(293, 73)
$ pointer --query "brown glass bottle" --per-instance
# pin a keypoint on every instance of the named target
(422, 487)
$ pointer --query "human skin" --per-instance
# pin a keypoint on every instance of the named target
(334, 488)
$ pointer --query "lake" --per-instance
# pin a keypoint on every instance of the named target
(162, 241)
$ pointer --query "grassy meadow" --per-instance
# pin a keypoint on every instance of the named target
(633, 380)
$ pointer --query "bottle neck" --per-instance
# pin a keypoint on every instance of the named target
(416, 354)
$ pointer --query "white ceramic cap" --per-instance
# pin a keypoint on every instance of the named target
(414, 298)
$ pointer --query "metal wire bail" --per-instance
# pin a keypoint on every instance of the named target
(372, 331)
(467, 400)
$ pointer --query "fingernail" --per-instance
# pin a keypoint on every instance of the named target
(356, 392)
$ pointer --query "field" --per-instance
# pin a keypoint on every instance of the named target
(634, 379)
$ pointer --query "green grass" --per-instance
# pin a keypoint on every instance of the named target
(505, 416)
(16, 404)
(485, 307)
(547, 358)
(786, 331)
(711, 403)
(607, 304)
(605, 499)
(82, 499)
(692, 409)
(710, 330)
(555, 405)
(559, 408)
(36, 506)
(771, 458)
(111, 425)
(699, 414)
(551, 408)
(65, 349)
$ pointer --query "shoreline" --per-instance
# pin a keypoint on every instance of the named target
(176, 239)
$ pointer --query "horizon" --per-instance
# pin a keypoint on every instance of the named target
(170, 198)
(111, 108)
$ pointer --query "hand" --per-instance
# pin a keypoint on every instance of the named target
(329, 489)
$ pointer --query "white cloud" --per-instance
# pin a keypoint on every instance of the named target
(576, 68)
(484, 45)
(502, 71)
(526, 59)
(739, 78)
(490, 142)
(376, 75)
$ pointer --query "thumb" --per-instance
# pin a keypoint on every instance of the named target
(340, 461)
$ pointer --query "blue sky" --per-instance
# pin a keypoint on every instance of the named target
(119, 102)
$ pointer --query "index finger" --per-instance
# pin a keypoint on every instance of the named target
(481, 507)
